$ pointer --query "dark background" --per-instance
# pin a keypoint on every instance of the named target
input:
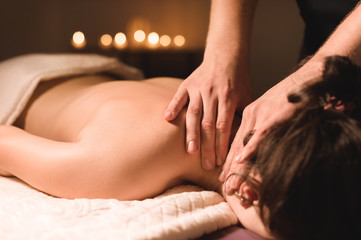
(47, 26)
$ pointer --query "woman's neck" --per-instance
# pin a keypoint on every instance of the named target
(206, 179)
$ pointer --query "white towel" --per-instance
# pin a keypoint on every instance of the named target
(19, 76)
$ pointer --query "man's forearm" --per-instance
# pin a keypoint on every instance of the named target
(346, 39)
(230, 29)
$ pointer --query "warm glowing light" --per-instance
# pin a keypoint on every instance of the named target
(139, 36)
(78, 40)
(106, 40)
(78, 37)
(179, 40)
(120, 40)
(153, 38)
(165, 40)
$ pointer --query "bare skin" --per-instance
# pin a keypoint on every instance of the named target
(91, 137)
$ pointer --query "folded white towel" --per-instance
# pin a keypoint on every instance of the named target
(19, 76)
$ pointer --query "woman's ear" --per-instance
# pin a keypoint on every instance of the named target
(248, 195)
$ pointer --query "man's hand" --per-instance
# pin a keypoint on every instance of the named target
(257, 118)
(271, 108)
(212, 99)
(220, 84)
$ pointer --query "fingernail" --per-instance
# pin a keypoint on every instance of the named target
(228, 186)
(208, 164)
(219, 161)
(192, 146)
(222, 176)
(168, 115)
(239, 158)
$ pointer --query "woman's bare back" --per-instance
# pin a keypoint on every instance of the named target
(124, 148)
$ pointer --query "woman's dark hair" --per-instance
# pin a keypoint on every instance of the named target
(311, 164)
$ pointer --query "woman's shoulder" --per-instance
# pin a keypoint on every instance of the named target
(166, 82)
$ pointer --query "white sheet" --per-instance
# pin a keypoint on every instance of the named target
(184, 212)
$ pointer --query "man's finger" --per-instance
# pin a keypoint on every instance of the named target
(208, 134)
(176, 105)
(250, 148)
(193, 119)
(223, 131)
(236, 147)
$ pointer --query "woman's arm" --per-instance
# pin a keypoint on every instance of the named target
(47, 165)
(220, 84)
